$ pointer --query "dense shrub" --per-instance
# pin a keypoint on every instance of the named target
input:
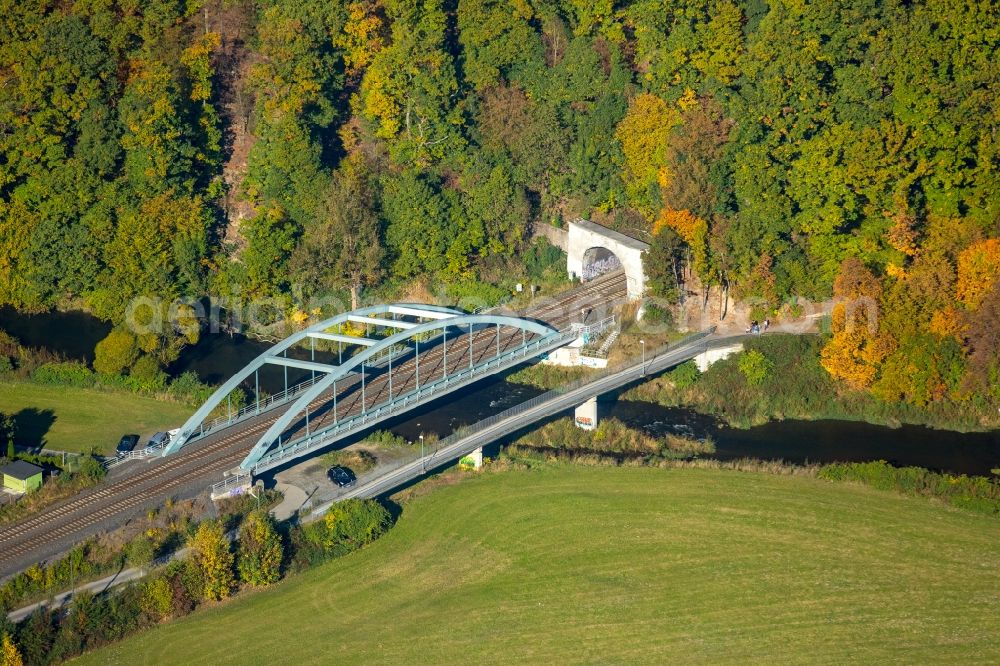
(118, 351)
(51, 462)
(754, 366)
(654, 313)
(976, 493)
(68, 373)
(540, 256)
(473, 294)
(354, 523)
(188, 388)
(358, 461)
(146, 375)
(385, 439)
(684, 375)
(140, 552)
(211, 554)
(91, 471)
(261, 551)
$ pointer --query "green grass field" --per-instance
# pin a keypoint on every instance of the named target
(67, 418)
(584, 565)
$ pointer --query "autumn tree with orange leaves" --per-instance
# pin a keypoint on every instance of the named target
(858, 344)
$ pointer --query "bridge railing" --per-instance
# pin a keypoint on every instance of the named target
(406, 401)
(146, 452)
(596, 328)
(229, 483)
(320, 440)
(431, 449)
(256, 407)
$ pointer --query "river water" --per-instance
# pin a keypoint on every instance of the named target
(216, 357)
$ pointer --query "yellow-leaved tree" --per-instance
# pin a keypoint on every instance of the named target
(644, 133)
(859, 344)
(212, 556)
(693, 230)
(978, 269)
(10, 655)
(363, 36)
(260, 550)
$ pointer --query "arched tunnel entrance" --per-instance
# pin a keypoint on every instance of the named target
(592, 250)
(598, 261)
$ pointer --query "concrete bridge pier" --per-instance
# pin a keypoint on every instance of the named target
(585, 415)
(473, 460)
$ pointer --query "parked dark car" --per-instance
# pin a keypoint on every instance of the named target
(127, 443)
(158, 439)
(341, 476)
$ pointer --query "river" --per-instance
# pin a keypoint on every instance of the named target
(216, 357)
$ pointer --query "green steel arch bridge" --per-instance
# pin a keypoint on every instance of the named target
(409, 354)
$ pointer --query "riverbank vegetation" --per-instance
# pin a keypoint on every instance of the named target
(975, 493)
(611, 442)
(781, 377)
(771, 151)
(637, 562)
(19, 362)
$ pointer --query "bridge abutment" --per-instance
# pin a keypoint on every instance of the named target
(473, 460)
(585, 415)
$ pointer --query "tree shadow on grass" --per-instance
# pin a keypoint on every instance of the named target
(31, 426)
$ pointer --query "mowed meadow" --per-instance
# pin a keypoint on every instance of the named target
(568, 565)
(71, 418)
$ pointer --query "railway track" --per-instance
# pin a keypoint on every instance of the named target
(137, 487)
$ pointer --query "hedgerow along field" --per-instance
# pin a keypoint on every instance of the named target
(570, 565)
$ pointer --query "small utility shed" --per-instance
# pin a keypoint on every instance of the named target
(21, 477)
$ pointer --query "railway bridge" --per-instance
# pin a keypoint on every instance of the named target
(405, 356)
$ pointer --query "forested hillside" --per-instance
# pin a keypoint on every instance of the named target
(258, 149)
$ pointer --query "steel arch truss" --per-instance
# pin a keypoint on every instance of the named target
(272, 449)
(196, 426)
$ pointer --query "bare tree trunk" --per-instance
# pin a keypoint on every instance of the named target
(355, 293)
(721, 279)
(726, 311)
(678, 281)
